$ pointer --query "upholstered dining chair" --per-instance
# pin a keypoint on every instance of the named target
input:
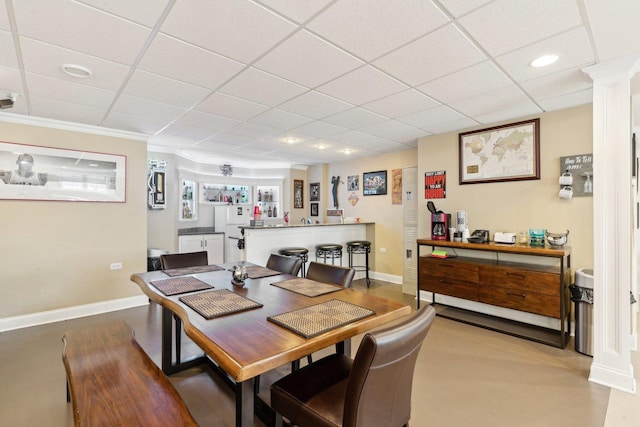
(187, 259)
(373, 389)
(284, 264)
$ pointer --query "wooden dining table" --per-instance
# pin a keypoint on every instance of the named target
(246, 344)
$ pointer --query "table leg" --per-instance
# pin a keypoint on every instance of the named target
(167, 318)
(244, 403)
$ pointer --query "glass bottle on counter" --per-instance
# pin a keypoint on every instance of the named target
(259, 195)
(270, 212)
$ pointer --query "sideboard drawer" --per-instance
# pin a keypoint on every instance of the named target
(525, 280)
(451, 287)
(520, 299)
(450, 268)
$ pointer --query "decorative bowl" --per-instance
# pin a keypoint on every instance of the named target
(557, 239)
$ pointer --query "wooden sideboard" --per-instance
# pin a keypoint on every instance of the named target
(529, 286)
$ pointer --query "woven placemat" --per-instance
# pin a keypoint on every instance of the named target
(180, 285)
(307, 287)
(192, 270)
(256, 272)
(320, 318)
(218, 303)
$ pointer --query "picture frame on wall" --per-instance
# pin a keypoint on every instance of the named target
(374, 183)
(32, 172)
(314, 209)
(502, 153)
(314, 192)
(298, 194)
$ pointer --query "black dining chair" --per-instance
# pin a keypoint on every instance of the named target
(372, 390)
(187, 259)
(284, 264)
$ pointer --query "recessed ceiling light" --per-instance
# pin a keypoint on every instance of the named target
(93, 165)
(76, 70)
(544, 60)
(321, 147)
(348, 151)
(290, 140)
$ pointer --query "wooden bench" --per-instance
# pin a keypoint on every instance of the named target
(112, 382)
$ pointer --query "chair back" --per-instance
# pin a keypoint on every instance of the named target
(379, 386)
(189, 259)
(328, 273)
(284, 264)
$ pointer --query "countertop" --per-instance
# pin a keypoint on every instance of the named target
(282, 226)
(197, 230)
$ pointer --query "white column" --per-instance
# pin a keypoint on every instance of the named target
(612, 223)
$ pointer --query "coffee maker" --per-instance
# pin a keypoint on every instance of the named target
(439, 223)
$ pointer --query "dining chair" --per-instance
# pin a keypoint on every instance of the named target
(187, 259)
(284, 264)
(373, 389)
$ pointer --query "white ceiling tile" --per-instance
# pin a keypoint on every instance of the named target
(145, 109)
(145, 12)
(441, 52)
(207, 121)
(240, 30)
(393, 130)
(46, 59)
(361, 86)
(261, 87)
(355, 118)
(66, 111)
(360, 139)
(572, 47)
(319, 129)
(217, 145)
(557, 84)
(505, 25)
(509, 114)
(458, 124)
(390, 147)
(460, 7)
(4, 19)
(145, 85)
(315, 105)
(192, 133)
(609, 23)
(498, 100)
(231, 107)
(280, 119)
(400, 104)
(297, 137)
(65, 91)
(81, 28)
(11, 80)
(146, 125)
(568, 100)
(7, 51)
(254, 131)
(427, 118)
(228, 138)
(307, 60)
(472, 81)
(183, 61)
(370, 29)
(297, 10)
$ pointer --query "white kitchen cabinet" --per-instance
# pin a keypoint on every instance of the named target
(212, 243)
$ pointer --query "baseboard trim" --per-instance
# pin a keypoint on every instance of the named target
(613, 378)
(386, 277)
(51, 316)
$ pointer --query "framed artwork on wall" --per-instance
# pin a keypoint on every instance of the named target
(314, 191)
(374, 183)
(298, 194)
(314, 209)
(31, 172)
(501, 153)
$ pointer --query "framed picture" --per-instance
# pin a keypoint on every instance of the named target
(298, 199)
(502, 153)
(314, 209)
(314, 192)
(30, 172)
(374, 183)
(353, 182)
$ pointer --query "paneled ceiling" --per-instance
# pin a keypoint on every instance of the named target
(283, 82)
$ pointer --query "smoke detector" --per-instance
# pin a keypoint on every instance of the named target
(8, 102)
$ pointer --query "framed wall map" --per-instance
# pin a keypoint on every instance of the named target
(502, 153)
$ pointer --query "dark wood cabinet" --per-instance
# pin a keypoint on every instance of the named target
(537, 288)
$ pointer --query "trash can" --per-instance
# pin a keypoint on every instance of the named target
(582, 296)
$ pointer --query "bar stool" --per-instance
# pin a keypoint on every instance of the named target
(329, 250)
(360, 247)
(298, 253)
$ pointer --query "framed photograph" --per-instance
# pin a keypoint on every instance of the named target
(314, 192)
(314, 209)
(30, 172)
(374, 183)
(298, 199)
(502, 153)
(353, 182)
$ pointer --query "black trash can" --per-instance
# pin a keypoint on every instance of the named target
(583, 300)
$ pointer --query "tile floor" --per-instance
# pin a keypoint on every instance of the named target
(464, 376)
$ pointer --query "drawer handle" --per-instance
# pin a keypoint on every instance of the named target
(519, 276)
(516, 295)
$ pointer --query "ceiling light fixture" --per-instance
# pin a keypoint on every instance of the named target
(290, 140)
(321, 147)
(76, 71)
(348, 151)
(544, 60)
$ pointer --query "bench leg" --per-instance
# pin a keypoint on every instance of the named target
(178, 324)
(244, 403)
(167, 317)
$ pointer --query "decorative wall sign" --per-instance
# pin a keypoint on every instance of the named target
(298, 193)
(314, 191)
(353, 182)
(396, 187)
(502, 153)
(374, 183)
(435, 185)
(30, 172)
(576, 172)
(353, 199)
(156, 184)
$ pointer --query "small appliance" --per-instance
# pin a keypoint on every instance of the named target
(479, 236)
(439, 223)
(504, 237)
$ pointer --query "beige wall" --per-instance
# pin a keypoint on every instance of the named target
(388, 217)
(57, 254)
(520, 205)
